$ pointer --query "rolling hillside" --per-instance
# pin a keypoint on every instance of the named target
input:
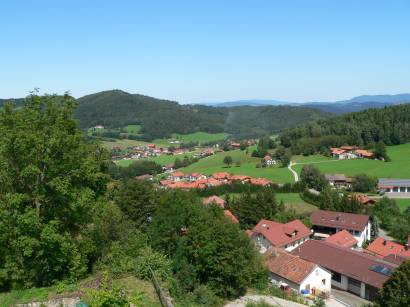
(161, 118)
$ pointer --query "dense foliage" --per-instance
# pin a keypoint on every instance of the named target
(161, 118)
(50, 180)
(206, 247)
(136, 168)
(396, 290)
(390, 125)
(312, 178)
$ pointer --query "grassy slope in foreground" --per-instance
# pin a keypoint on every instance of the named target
(215, 163)
(399, 167)
(130, 284)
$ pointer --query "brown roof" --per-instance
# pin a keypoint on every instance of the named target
(214, 200)
(364, 153)
(345, 261)
(339, 219)
(288, 266)
(382, 248)
(342, 238)
(239, 177)
(337, 151)
(335, 177)
(279, 234)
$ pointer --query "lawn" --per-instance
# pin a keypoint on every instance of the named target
(124, 143)
(247, 166)
(403, 203)
(293, 201)
(399, 167)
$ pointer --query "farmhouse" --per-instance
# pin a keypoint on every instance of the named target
(260, 181)
(268, 161)
(288, 236)
(326, 223)
(362, 153)
(393, 187)
(287, 270)
(342, 238)
(352, 271)
(339, 180)
(214, 199)
(342, 154)
(363, 199)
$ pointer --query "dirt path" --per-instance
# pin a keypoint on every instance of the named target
(294, 173)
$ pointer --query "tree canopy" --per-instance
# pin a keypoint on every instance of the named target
(50, 180)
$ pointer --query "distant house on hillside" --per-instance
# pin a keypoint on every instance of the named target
(302, 276)
(99, 127)
(339, 181)
(177, 176)
(394, 186)
(288, 236)
(326, 223)
(269, 161)
(342, 154)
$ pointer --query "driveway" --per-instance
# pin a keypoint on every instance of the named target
(347, 298)
(295, 175)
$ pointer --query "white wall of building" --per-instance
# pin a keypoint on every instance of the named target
(319, 278)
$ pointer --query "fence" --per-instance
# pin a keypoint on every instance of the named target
(163, 296)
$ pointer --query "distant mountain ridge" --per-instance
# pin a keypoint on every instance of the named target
(342, 106)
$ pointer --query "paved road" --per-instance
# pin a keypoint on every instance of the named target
(295, 175)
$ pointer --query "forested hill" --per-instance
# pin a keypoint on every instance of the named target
(18, 102)
(161, 118)
(390, 125)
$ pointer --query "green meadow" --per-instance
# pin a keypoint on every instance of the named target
(135, 129)
(247, 166)
(399, 167)
(163, 159)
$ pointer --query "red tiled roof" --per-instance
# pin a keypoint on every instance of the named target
(214, 182)
(229, 215)
(288, 266)
(337, 151)
(279, 234)
(214, 200)
(363, 199)
(382, 248)
(239, 177)
(249, 232)
(348, 147)
(260, 181)
(345, 261)
(221, 175)
(342, 238)
(177, 174)
(165, 182)
(364, 153)
(339, 219)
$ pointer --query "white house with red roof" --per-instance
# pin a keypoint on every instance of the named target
(268, 234)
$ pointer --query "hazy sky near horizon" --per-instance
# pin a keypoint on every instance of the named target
(205, 51)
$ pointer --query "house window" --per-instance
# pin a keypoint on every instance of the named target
(336, 277)
(402, 189)
(324, 282)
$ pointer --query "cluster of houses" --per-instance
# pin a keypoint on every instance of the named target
(180, 180)
(142, 151)
(330, 255)
(350, 152)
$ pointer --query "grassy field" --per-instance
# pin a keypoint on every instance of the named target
(399, 167)
(135, 129)
(291, 201)
(247, 166)
(403, 203)
(163, 159)
(131, 285)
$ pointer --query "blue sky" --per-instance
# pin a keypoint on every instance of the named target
(203, 51)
